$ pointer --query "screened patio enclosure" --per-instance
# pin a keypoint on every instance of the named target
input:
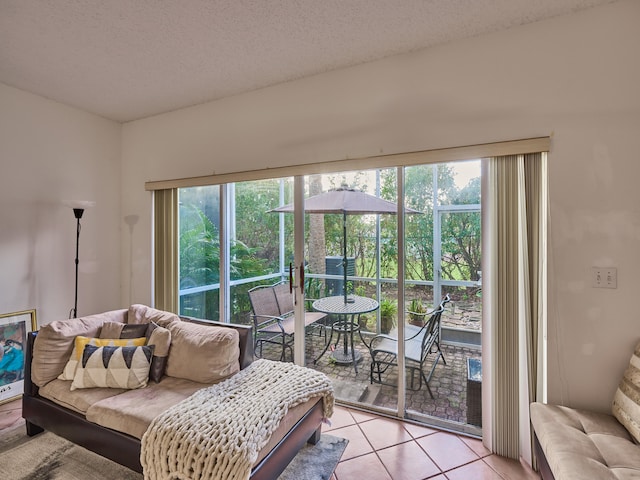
(229, 244)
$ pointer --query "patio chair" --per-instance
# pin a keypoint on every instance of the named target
(273, 317)
(421, 342)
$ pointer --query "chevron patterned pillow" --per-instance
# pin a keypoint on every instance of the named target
(113, 367)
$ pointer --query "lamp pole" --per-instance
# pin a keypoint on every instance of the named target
(78, 214)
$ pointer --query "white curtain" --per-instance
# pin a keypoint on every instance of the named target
(514, 274)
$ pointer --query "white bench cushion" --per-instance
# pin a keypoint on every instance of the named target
(580, 444)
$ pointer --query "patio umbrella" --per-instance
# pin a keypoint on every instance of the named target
(346, 201)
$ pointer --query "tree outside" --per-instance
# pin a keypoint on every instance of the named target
(255, 241)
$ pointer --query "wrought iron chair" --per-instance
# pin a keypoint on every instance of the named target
(273, 317)
(421, 342)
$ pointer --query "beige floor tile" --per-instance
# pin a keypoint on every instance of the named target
(476, 445)
(362, 416)
(511, 469)
(366, 467)
(477, 470)
(418, 431)
(358, 443)
(385, 432)
(407, 461)
(447, 450)
(341, 418)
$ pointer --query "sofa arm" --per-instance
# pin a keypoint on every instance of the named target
(30, 388)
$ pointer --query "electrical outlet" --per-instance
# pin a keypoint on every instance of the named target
(604, 277)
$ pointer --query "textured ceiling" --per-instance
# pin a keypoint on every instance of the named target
(129, 59)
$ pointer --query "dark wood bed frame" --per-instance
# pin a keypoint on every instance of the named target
(41, 414)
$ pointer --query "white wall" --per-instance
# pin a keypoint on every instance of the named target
(50, 153)
(575, 78)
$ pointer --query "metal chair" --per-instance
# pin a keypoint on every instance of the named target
(273, 317)
(421, 342)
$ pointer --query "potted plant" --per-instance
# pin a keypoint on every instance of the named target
(363, 320)
(417, 311)
(388, 310)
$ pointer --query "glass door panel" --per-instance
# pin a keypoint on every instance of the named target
(447, 250)
(362, 244)
(421, 294)
(258, 252)
(199, 245)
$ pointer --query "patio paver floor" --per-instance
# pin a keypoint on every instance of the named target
(448, 384)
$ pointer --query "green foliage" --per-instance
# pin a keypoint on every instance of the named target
(255, 250)
(416, 306)
(199, 248)
(461, 249)
(388, 308)
(200, 262)
(256, 228)
(360, 290)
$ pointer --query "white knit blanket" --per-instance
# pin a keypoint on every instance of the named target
(218, 432)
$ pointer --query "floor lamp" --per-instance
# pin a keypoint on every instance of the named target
(78, 214)
(78, 206)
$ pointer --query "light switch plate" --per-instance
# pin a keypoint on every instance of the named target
(604, 277)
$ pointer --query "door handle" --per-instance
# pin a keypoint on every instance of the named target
(302, 279)
(290, 277)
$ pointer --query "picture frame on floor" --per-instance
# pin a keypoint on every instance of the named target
(14, 327)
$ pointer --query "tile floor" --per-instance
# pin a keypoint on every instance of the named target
(387, 449)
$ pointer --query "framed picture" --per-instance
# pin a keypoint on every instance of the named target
(13, 340)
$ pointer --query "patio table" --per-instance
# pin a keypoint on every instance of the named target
(345, 326)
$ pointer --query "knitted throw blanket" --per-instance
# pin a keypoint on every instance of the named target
(219, 431)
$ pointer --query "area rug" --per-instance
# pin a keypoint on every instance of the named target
(49, 457)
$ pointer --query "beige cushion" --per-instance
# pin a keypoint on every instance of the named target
(132, 411)
(54, 343)
(626, 401)
(123, 330)
(81, 341)
(160, 338)
(113, 367)
(59, 391)
(580, 444)
(202, 353)
(142, 314)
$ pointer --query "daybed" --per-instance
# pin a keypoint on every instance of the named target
(573, 444)
(194, 358)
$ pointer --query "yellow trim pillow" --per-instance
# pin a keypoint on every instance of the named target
(113, 367)
(80, 342)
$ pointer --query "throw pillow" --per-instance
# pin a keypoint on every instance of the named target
(626, 401)
(123, 330)
(202, 353)
(54, 342)
(113, 367)
(160, 338)
(80, 341)
(143, 314)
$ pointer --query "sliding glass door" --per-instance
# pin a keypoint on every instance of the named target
(344, 261)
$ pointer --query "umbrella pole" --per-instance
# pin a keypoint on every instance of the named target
(344, 256)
